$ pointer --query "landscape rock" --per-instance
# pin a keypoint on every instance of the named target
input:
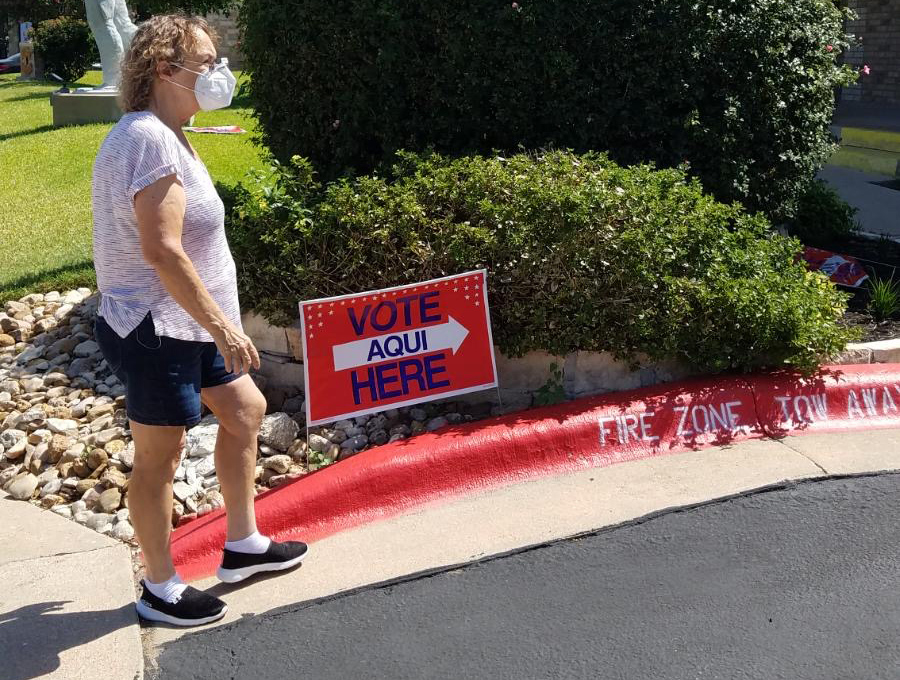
(61, 426)
(123, 531)
(87, 348)
(113, 478)
(17, 450)
(356, 443)
(62, 511)
(51, 487)
(278, 430)
(182, 491)
(110, 500)
(436, 424)
(22, 487)
(280, 464)
(98, 520)
(319, 443)
(215, 499)
(200, 441)
(7, 474)
(96, 458)
(51, 500)
(206, 467)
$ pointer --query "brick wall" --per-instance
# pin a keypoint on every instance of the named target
(229, 38)
(879, 26)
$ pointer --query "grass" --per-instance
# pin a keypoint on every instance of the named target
(873, 161)
(45, 190)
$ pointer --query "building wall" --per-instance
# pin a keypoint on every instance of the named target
(879, 27)
(229, 38)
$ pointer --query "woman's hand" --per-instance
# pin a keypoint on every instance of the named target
(237, 349)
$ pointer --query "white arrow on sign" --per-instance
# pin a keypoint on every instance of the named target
(448, 335)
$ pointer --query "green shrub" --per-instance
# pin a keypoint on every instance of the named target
(66, 46)
(37, 11)
(582, 255)
(823, 219)
(884, 300)
(744, 91)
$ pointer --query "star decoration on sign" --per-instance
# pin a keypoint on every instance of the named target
(469, 286)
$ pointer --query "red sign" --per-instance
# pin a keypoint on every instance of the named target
(396, 347)
(841, 269)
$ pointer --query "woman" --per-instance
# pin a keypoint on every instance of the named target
(169, 323)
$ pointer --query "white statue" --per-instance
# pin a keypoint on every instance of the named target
(113, 30)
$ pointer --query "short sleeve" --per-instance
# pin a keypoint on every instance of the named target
(156, 156)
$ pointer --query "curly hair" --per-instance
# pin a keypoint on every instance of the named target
(166, 37)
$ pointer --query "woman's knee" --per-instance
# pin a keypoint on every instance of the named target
(244, 415)
(157, 450)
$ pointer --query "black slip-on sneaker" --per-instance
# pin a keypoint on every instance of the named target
(236, 566)
(193, 608)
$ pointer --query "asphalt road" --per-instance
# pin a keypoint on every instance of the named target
(795, 583)
(878, 206)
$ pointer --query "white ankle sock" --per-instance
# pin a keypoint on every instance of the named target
(169, 590)
(255, 544)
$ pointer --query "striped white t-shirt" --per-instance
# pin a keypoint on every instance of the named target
(138, 151)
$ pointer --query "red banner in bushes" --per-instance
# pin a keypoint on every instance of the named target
(841, 269)
(396, 347)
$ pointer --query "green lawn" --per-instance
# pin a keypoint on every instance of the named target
(45, 190)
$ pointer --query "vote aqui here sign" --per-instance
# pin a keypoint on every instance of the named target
(396, 347)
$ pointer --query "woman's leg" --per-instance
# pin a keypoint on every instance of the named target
(157, 451)
(239, 407)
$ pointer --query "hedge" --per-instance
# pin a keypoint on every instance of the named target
(823, 219)
(744, 91)
(582, 255)
(67, 47)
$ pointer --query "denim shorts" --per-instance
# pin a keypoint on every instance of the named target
(162, 376)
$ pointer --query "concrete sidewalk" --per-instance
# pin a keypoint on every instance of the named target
(879, 206)
(66, 600)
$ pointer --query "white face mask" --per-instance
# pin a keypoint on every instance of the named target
(213, 89)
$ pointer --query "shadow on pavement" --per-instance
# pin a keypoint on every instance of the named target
(33, 637)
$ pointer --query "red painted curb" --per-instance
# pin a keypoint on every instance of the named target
(592, 432)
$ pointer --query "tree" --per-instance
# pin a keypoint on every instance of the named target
(144, 9)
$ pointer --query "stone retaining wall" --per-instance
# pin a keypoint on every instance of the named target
(583, 373)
